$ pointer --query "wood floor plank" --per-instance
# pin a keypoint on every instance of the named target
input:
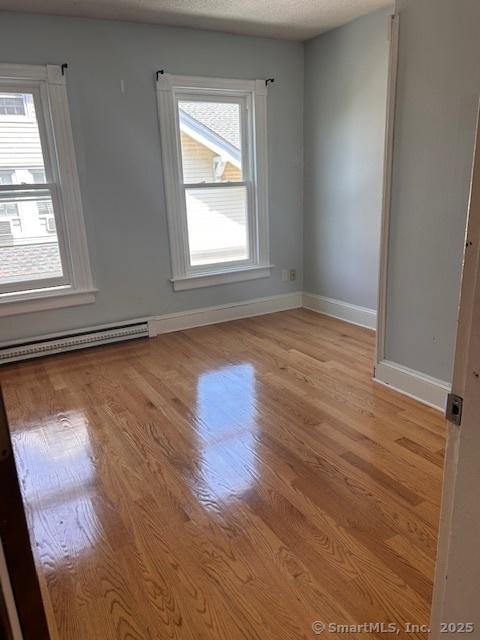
(435, 457)
(237, 481)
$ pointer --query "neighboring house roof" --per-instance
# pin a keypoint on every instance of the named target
(220, 117)
(25, 262)
(215, 126)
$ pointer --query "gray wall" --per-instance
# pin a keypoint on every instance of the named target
(438, 89)
(119, 156)
(345, 103)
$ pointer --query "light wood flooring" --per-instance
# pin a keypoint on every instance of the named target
(237, 481)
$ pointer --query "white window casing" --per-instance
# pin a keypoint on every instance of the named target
(251, 97)
(47, 84)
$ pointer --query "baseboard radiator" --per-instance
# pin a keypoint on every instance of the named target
(81, 340)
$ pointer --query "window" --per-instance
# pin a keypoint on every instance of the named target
(214, 155)
(6, 177)
(12, 105)
(9, 210)
(43, 252)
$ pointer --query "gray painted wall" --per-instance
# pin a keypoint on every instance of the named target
(345, 104)
(437, 97)
(119, 156)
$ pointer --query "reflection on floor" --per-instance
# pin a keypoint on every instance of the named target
(235, 481)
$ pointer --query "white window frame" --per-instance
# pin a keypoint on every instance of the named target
(252, 96)
(47, 83)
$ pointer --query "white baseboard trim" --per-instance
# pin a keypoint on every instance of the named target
(419, 386)
(412, 383)
(223, 313)
(352, 313)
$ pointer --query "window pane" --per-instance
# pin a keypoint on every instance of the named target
(21, 159)
(210, 136)
(217, 224)
(28, 238)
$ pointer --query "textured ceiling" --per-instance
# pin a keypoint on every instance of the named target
(291, 19)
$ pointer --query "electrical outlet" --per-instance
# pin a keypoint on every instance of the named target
(293, 275)
(285, 275)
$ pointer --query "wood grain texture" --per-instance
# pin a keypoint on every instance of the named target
(236, 481)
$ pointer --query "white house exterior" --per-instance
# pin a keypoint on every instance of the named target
(28, 239)
(21, 162)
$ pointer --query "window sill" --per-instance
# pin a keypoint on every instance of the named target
(42, 300)
(221, 277)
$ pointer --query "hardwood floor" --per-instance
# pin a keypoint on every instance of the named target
(234, 481)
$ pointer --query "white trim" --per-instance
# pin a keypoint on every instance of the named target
(38, 300)
(260, 161)
(167, 80)
(254, 164)
(223, 313)
(362, 316)
(181, 320)
(173, 194)
(23, 71)
(68, 177)
(414, 384)
(225, 277)
(393, 27)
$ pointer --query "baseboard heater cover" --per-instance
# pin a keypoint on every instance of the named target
(81, 340)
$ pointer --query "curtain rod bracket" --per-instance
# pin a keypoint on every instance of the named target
(160, 72)
(268, 81)
(64, 68)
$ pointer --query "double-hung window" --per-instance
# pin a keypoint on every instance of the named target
(213, 135)
(43, 252)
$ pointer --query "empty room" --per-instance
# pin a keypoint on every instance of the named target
(239, 311)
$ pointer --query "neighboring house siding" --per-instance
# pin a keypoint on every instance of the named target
(232, 173)
(197, 160)
(19, 140)
(198, 163)
(223, 210)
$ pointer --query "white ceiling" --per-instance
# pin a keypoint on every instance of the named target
(290, 19)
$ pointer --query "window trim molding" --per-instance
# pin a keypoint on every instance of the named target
(43, 299)
(59, 139)
(210, 279)
(183, 276)
(68, 178)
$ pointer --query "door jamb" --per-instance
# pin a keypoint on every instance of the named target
(394, 29)
(469, 291)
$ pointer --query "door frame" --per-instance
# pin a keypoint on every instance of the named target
(394, 32)
(18, 571)
(460, 516)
